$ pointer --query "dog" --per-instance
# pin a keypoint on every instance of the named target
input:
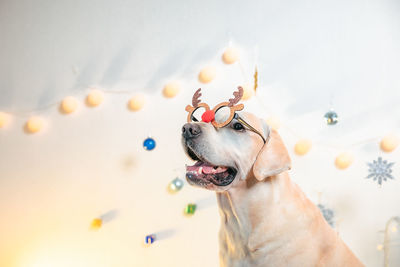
(266, 220)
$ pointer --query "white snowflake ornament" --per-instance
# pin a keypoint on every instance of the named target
(380, 170)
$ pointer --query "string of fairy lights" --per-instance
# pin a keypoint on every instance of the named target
(136, 102)
(95, 98)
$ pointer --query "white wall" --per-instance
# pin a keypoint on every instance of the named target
(310, 54)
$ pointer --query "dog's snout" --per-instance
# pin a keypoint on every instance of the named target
(191, 130)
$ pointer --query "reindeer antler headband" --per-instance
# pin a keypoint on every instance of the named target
(209, 115)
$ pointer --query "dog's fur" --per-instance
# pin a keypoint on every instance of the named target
(266, 220)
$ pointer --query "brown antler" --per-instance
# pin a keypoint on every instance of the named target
(238, 95)
(195, 99)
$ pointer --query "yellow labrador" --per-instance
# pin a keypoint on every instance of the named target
(266, 220)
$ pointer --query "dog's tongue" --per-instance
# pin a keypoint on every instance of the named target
(203, 167)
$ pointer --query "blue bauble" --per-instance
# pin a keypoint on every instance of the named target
(149, 143)
(149, 239)
(331, 117)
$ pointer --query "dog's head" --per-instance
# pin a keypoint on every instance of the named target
(226, 155)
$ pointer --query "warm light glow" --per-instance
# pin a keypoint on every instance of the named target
(57, 256)
(379, 247)
(171, 89)
(302, 147)
(248, 91)
(136, 102)
(207, 74)
(394, 229)
(4, 119)
(389, 143)
(273, 122)
(230, 55)
(34, 124)
(69, 104)
(344, 160)
(95, 98)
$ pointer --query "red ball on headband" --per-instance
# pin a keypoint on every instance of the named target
(208, 116)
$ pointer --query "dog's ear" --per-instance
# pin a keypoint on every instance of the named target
(273, 157)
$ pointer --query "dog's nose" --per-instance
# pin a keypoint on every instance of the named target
(191, 130)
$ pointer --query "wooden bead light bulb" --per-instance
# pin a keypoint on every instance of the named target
(248, 91)
(207, 74)
(95, 98)
(230, 55)
(171, 89)
(273, 122)
(302, 147)
(344, 160)
(4, 119)
(34, 124)
(69, 105)
(136, 103)
(389, 143)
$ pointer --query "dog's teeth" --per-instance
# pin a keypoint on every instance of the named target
(200, 170)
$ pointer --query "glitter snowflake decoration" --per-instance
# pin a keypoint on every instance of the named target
(328, 214)
(380, 170)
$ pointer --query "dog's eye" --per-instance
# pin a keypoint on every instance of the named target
(238, 126)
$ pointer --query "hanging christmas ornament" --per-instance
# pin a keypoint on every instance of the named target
(175, 185)
(150, 239)
(389, 143)
(328, 214)
(255, 79)
(149, 143)
(96, 224)
(331, 117)
(380, 170)
(190, 209)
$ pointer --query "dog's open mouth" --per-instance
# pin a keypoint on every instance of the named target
(203, 172)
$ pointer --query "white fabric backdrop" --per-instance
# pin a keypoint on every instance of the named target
(310, 54)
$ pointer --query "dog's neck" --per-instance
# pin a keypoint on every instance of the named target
(243, 216)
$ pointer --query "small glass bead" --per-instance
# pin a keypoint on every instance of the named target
(331, 117)
(149, 143)
(190, 209)
(149, 239)
(96, 223)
